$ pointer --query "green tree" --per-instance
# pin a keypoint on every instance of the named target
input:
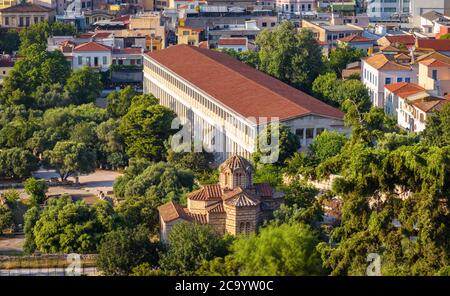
(36, 188)
(123, 249)
(445, 36)
(276, 143)
(83, 86)
(111, 145)
(437, 131)
(6, 218)
(67, 226)
(324, 87)
(145, 128)
(289, 55)
(249, 57)
(275, 251)
(30, 218)
(188, 245)
(70, 158)
(342, 56)
(328, 144)
(17, 163)
(9, 41)
(354, 92)
(120, 101)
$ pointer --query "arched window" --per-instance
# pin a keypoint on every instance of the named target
(247, 228)
(242, 227)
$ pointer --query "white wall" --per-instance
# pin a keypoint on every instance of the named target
(92, 54)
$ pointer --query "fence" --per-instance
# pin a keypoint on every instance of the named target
(46, 265)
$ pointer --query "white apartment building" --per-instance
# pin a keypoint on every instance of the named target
(296, 6)
(411, 105)
(229, 102)
(381, 9)
(381, 69)
(420, 7)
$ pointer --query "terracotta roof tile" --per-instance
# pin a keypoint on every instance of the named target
(200, 218)
(433, 44)
(430, 104)
(404, 89)
(242, 88)
(232, 41)
(404, 39)
(355, 39)
(172, 211)
(264, 190)
(216, 208)
(26, 7)
(207, 192)
(92, 46)
(434, 63)
(382, 62)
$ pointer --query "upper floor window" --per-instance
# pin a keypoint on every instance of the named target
(399, 79)
(387, 80)
(434, 74)
(407, 79)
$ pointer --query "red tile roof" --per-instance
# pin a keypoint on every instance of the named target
(384, 62)
(128, 50)
(355, 39)
(434, 63)
(207, 192)
(245, 90)
(433, 44)
(430, 104)
(172, 211)
(101, 35)
(26, 7)
(92, 46)
(403, 39)
(404, 89)
(232, 41)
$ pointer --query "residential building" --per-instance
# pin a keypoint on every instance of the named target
(189, 35)
(381, 69)
(346, 13)
(324, 32)
(91, 54)
(356, 41)
(235, 43)
(434, 75)
(228, 102)
(296, 6)
(235, 206)
(412, 104)
(431, 45)
(24, 15)
(6, 65)
(431, 22)
(385, 9)
(420, 7)
(352, 69)
(248, 30)
(398, 40)
(7, 3)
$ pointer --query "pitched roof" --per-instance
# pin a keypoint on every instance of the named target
(430, 104)
(355, 39)
(383, 62)
(245, 90)
(433, 55)
(404, 89)
(232, 41)
(264, 190)
(404, 39)
(101, 35)
(207, 192)
(434, 63)
(402, 56)
(236, 162)
(433, 44)
(26, 7)
(431, 15)
(242, 199)
(172, 211)
(92, 46)
(389, 48)
(128, 50)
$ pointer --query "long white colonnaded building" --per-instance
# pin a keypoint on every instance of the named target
(228, 101)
